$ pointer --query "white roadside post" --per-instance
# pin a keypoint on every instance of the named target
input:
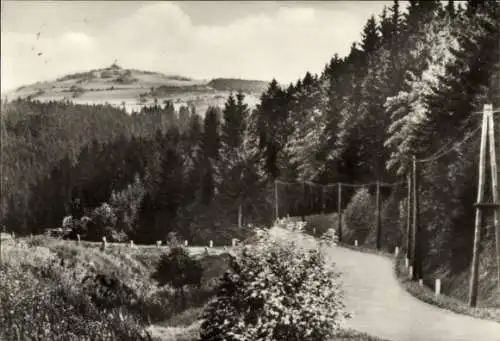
(104, 243)
(437, 288)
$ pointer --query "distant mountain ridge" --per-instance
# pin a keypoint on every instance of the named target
(228, 84)
(133, 89)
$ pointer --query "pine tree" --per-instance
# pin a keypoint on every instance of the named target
(309, 121)
(210, 148)
(211, 137)
(386, 29)
(234, 157)
(370, 38)
(231, 124)
(272, 127)
(169, 197)
(408, 108)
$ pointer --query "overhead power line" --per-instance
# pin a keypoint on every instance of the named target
(335, 184)
(440, 153)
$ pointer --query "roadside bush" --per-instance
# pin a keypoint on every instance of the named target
(275, 291)
(329, 237)
(178, 269)
(358, 217)
(316, 224)
(102, 223)
(173, 239)
(321, 223)
(392, 226)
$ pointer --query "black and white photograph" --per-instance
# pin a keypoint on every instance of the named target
(250, 170)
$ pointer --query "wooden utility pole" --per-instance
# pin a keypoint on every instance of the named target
(339, 210)
(479, 213)
(240, 216)
(323, 204)
(276, 210)
(494, 185)
(303, 201)
(378, 216)
(416, 247)
(408, 218)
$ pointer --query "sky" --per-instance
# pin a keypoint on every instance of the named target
(241, 39)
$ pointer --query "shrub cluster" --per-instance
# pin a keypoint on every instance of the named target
(48, 309)
(358, 217)
(275, 291)
(178, 269)
(330, 237)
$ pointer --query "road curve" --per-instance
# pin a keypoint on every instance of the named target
(382, 308)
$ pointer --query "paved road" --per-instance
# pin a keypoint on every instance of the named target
(382, 308)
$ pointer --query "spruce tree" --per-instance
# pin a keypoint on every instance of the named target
(273, 127)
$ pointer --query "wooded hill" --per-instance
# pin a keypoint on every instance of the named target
(133, 89)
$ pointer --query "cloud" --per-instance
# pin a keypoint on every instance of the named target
(161, 37)
(26, 59)
(76, 40)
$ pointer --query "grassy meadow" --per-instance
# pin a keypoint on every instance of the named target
(48, 290)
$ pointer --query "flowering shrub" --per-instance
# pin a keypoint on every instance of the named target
(291, 224)
(275, 291)
(330, 237)
(359, 217)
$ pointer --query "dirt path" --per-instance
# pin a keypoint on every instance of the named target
(381, 307)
